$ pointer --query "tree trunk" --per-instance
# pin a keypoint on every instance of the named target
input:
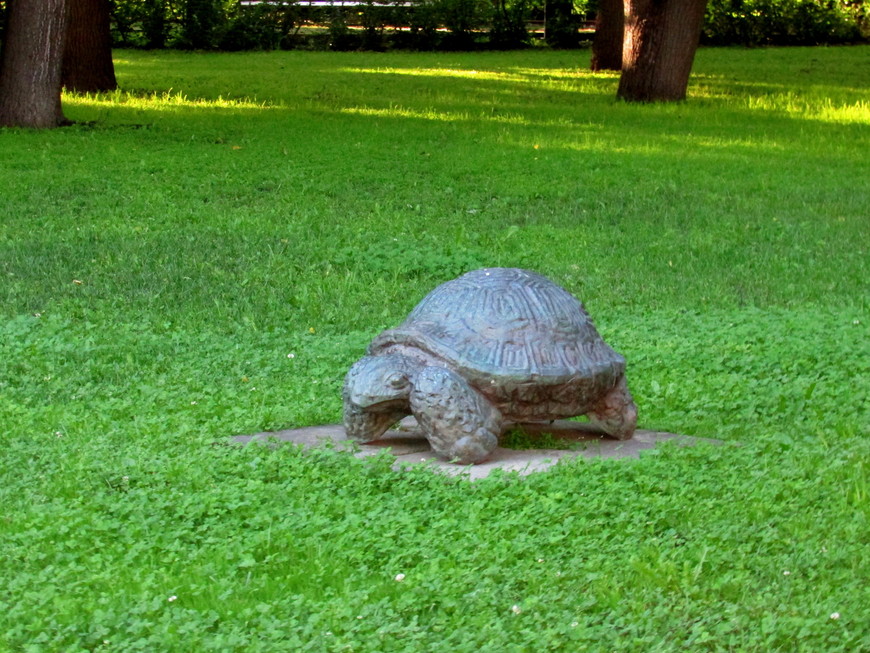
(661, 37)
(87, 59)
(560, 26)
(154, 24)
(609, 30)
(30, 64)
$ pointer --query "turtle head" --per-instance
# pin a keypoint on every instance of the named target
(375, 394)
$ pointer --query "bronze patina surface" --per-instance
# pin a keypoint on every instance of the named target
(493, 346)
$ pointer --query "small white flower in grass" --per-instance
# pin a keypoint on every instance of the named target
(574, 624)
(786, 573)
(516, 609)
(835, 615)
(399, 578)
(172, 598)
(291, 355)
(193, 403)
(58, 434)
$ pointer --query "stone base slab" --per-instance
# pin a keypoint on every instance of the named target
(408, 445)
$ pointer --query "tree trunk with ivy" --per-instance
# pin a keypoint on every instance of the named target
(609, 30)
(87, 59)
(30, 64)
(661, 37)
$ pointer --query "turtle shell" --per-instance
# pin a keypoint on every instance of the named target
(505, 329)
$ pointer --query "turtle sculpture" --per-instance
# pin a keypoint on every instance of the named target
(494, 345)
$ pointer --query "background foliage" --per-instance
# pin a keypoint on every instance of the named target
(786, 22)
(467, 24)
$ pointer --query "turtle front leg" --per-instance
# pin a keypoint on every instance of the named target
(615, 412)
(460, 424)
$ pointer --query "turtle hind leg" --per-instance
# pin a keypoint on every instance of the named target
(616, 412)
(460, 424)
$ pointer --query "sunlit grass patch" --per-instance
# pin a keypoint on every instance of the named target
(400, 112)
(439, 72)
(154, 101)
(431, 114)
(818, 108)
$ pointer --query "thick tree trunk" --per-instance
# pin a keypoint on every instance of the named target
(609, 30)
(661, 37)
(30, 64)
(87, 59)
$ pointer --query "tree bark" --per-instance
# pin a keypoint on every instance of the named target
(87, 59)
(661, 37)
(609, 30)
(30, 64)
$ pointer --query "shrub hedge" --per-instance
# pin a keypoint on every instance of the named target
(453, 24)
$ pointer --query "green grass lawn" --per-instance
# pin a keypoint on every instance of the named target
(208, 251)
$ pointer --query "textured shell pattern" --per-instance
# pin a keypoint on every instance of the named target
(508, 327)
